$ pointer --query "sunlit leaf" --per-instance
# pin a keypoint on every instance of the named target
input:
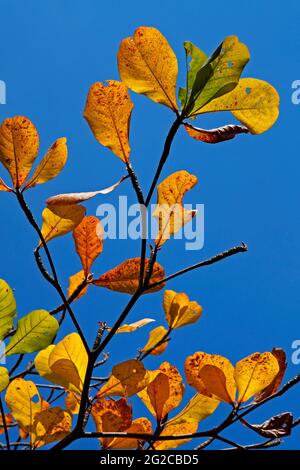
(198, 408)
(173, 430)
(169, 210)
(74, 198)
(179, 310)
(69, 359)
(4, 187)
(148, 65)
(51, 425)
(41, 363)
(72, 402)
(8, 308)
(125, 277)
(108, 110)
(51, 165)
(74, 282)
(60, 220)
(4, 378)
(127, 379)
(253, 102)
(164, 393)
(19, 145)
(198, 59)
(129, 328)
(214, 136)
(138, 426)
(156, 344)
(254, 373)
(34, 332)
(274, 386)
(111, 416)
(88, 237)
(211, 375)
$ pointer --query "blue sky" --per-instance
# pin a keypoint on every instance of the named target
(51, 53)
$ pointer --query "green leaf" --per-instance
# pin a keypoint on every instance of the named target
(34, 332)
(8, 308)
(198, 59)
(4, 378)
(219, 75)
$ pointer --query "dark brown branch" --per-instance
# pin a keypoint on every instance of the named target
(4, 424)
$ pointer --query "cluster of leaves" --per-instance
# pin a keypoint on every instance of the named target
(147, 65)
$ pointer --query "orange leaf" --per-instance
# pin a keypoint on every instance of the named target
(169, 210)
(125, 277)
(155, 337)
(108, 110)
(175, 430)
(111, 416)
(72, 402)
(74, 282)
(88, 236)
(138, 426)
(214, 136)
(273, 387)
(8, 420)
(179, 311)
(4, 187)
(19, 145)
(148, 65)
(211, 375)
(51, 425)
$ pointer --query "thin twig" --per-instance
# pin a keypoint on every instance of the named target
(4, 424)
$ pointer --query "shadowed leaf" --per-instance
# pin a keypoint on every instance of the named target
(179, 310)
(8, 308)
(214, 136)
(88, 237)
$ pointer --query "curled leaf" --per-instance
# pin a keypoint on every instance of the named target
(156, 344)
(214, 136)
(88, 237)
(179, 310)
(276, 427)
(133, 326)
(148, 65)
(280, 355)
(125, 277)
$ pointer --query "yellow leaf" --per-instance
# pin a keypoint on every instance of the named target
(148, 65)
(60, 220)
(280, 355)
(69, 359)
(179, 311)
(4, 378)
(138, 426)
(155, 337)
(51, 165)
(108, 110)
(169, 210)
(198, 408)
(74, 282)
(19, 145)
(176, 430)
(88, 237)
(111, 416)
(4, 187)
(51, 425)
(8, 420)
(72, 402)
(127, 379)
(133, 326)
(211, 375)
(253, 102)
(24, 401)
(254, 373)
(164, 393)
(125, 277)
(41, 363)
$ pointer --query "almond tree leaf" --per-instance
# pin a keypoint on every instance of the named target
(51, 165)
(111, 416)
(60, 220)
(253, 102)
(34, 332)
(212, 375)
(214, 136)
(4, 187)
(19, 145)
(41, 363)
(8, 308)
(138, 426)
(179, 310)
(4, 379)
(274, 386)
(51, 425)
(276, 427)
(254, 373)
(176, 430)
(125, 277)
(88, 237)
(74, 282)
(198, 408)
(69, 359)
(127, 379)
(75, 198)
(164, 393)
(24, 401)
(169, 210)
(148, 65)
(72, 402)
(155, 337)
(198, 59)
(129, 328)
(219, 75)
(108, 111)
